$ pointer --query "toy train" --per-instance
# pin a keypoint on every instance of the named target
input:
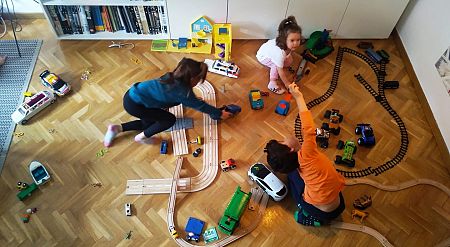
(234, 211)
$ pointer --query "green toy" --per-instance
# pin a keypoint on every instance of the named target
(319, 43)
(347, 157)
(27, 191)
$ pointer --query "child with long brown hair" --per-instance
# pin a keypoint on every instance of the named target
(149, 100)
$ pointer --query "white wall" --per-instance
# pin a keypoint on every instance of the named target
(23, 6)
(425, 34)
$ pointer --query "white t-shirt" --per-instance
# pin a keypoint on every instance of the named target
(272, 51)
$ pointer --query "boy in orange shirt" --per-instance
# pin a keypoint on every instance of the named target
(313, 181)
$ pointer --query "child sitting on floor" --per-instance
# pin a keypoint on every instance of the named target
(313, 181)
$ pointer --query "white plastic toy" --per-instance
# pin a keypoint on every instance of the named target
(270, 183)
(128, 209)
(32, 106)
(38, 172)
(223, 68)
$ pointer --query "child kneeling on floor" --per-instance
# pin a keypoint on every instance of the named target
(277, 53)
(313, 181)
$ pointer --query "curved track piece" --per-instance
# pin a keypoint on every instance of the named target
(359, 228)
(398, 187)
(379, 97)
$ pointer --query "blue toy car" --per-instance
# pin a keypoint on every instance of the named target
(283, 107)
(194, 228)
(233, 109)
(164, 146)
(256, 101)
(367, 138)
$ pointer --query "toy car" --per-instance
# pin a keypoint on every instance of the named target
(322, 137)
(334, 118)
(367, 138)
(256, 101)
(347, 157)
(128, 209)
(32, 106)
(223, 68)
(283, 107)
(173, 232)
(230, 164)
(55, 83)
(194, 228)
(164, 146)
(390, 85)
(363, 202)
(210, 235)
(365, 45)
(38, 172)
(197, 152)
(233, 109)
(272, 185)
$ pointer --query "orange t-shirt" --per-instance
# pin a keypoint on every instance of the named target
(322, 182)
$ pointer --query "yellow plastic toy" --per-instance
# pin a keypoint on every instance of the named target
(222, 41)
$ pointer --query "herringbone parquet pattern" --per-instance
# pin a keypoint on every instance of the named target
(72, 212)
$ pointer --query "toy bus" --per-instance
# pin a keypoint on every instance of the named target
(234, 211)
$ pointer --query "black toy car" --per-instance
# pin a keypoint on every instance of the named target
(322, 137)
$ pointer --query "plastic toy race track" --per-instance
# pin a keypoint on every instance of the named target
(379, 97)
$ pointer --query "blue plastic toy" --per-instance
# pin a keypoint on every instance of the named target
(367, 138)
(233, 109)
(164, 146)
(284, 105)
(194, 228)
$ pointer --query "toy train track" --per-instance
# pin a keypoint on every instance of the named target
(379, 97)
(391, 188)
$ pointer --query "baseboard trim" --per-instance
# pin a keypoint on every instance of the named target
(422, 99)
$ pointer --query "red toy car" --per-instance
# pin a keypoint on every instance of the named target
(230, 164)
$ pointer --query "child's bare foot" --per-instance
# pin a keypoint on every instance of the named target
(111, 133)
(141, 138)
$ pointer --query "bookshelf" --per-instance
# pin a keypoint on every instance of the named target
(107, 19)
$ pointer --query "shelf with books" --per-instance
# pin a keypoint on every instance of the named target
(75, 19)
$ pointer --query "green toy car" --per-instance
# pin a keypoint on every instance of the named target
(347, 157)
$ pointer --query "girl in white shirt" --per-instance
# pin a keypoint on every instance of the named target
(276, 53)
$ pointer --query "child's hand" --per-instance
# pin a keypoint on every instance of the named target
(225, 115)
(295, 91)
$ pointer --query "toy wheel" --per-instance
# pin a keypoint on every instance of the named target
(351, 163)
(251, 178)
(233, 167)
(24, 121)
(338, 159)
(360, 141)
(327, 114)
(357, 131)
(53, 101)
(337, 131)
(325, 126)
(341, 118)
(354, 150)
(340, 145)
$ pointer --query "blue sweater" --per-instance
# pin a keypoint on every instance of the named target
(154, 94)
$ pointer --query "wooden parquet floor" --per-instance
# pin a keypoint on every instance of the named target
(72, 212)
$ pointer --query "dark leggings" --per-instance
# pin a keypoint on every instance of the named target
(151, 120)
(297, 187)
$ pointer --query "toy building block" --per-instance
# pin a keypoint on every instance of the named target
(27, 191)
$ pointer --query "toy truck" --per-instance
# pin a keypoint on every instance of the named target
(32, 106)
(27, 191)
(256, 102)
(322, 137)
(334, 118)
(230, 164)
(194, 228)
(347, 157)
(367, 138)
(234, 211)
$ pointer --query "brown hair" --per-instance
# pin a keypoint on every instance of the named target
(186, 70)
(287, 26)
(280, 157)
